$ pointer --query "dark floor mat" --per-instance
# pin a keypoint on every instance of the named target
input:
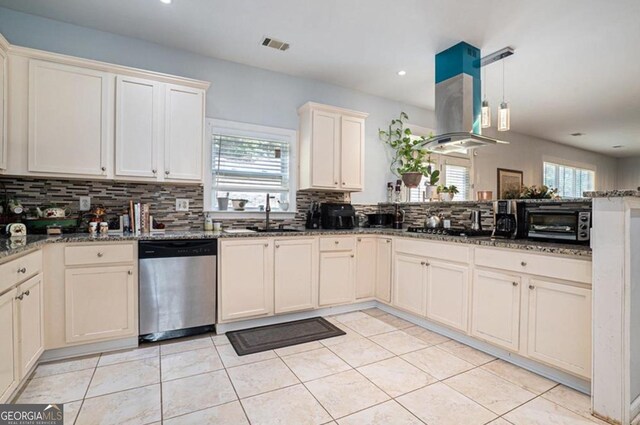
(263, 338)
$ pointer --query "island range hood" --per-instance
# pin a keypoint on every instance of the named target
(458, 102)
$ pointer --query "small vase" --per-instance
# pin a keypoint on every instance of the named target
(412, 179)
(446, 197)
(430, 192)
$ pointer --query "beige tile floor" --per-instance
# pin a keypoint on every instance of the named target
(383, 371)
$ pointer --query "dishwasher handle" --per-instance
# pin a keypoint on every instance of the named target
(177, 248)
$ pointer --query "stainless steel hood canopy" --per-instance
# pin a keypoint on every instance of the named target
(458, 100)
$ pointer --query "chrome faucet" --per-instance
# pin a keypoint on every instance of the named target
(267, 210)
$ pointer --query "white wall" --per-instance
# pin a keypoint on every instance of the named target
(629, 173)
(527, 153)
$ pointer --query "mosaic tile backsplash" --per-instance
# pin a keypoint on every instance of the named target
(33, 192)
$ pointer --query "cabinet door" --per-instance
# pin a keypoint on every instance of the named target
(68, 119)
(30, 323)
(495, 311)
(296, 274)
(559, 330)
(3, 110)
(448, 294)
(352, 153)
(366, 253)
(337, 277)
(8, 345)
(383, 270)
(137, 132)
(184, 137)
(100, 303)
(246, 278)
(409, 284)
(325, 153)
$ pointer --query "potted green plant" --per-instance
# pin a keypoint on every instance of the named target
(447, 193)
(409, 161)
(433, 177)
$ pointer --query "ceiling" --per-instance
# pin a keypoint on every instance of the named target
(576, 67)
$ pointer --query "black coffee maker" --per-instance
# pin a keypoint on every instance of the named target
(505, 220)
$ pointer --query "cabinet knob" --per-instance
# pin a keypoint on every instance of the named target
(20, 297)
(277, 246)
(100, 254)
(27, 292)
(427, 264)
(344, 184)
(336, 242)
(523, 263)
(532, 287)
(422, 263)
(22, 270)
(154, 171)
(130, 272)
(359, 239)
(167, 172)
(266, 245)
(388, 240)
(515, 283)
(335, 183)
(104, 168)
(352, 255)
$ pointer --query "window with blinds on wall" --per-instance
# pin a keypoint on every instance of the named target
(571, 182)
(249, 168)
(460, 177)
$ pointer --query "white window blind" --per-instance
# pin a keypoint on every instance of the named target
(460, 177)
(571, 182)
(250, 164)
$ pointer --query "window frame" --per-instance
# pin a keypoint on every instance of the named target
(240, 129)
(570, 164)
(440, 161)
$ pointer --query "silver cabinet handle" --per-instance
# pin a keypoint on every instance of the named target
(100, 254)
(22, 270)
(514, 283)
(130, 272)
(523, 263)
(532, 287)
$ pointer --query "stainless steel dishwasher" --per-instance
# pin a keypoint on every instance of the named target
(177, 288)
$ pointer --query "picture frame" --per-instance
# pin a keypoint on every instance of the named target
(509, 181)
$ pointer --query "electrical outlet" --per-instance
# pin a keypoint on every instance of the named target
(85, 203)
(182, 204)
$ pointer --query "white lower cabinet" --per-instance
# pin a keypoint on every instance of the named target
(495, 308)
(8, 344)
(337, 277)
(246, 278)
(383, 269)
(30, 323)
(410, 283)
(100, 303)
(295, 274)
(366, 254)
(559, 329)
(447, 293)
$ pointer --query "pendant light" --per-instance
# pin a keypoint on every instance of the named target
(485, 117)
(504, 118)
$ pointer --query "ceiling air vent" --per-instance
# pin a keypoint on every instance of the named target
(275, 44)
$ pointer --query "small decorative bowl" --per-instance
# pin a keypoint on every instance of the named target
(238, 204)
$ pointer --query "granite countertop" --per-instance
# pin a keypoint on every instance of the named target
(612, 193)
(10, 247)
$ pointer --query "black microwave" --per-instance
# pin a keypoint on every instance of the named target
(558, 224)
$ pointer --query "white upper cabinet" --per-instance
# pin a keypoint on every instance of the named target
(68, 119)
(331, 148)
(184, 126)
(137, 127)
(77, 118)
(3, 102)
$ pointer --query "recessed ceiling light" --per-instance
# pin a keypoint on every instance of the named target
(166, 1)
(617, 146)
(275, 44)
(402, 73)
(577, 134)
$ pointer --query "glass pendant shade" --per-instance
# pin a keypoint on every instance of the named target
(504, 117)
(485, 118)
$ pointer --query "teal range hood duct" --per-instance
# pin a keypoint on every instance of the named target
(458, 101)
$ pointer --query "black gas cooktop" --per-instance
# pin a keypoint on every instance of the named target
(453, 231)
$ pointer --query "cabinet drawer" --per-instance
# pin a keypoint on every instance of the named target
(20, 269)
(337, 243)
(439, 250)
(93, 253)
(541, 265)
